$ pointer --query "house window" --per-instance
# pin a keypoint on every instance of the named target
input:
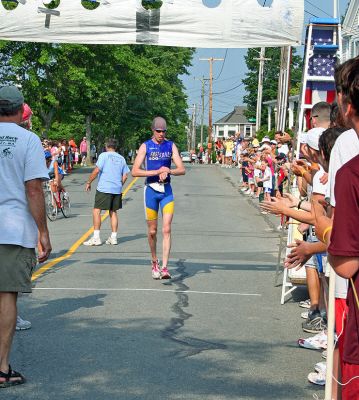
(247, 130)
(231, 133)
(220, 133)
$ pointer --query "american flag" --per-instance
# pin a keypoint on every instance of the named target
(321, 64)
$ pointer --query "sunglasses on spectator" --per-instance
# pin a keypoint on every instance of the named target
(161, 130)
(314, 116)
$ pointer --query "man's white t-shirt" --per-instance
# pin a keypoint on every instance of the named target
(345, 148)
(21, 159)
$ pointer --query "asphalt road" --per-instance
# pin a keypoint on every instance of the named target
(103, 329)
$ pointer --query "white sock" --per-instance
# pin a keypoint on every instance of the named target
(114, 235)
(96, 234)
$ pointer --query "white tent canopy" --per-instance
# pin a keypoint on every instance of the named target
(184, 23)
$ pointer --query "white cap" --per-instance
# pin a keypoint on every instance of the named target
(311, 138)
(274, 142)
(265, 139)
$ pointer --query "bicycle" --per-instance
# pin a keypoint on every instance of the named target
(55, 201)
(6, 153)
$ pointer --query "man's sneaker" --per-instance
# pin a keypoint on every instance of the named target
(165, 274)
(304, 303)
(156, 273)
(93, 242)
(318, 378)
(111, 240)
(314, 325)
(21, 324)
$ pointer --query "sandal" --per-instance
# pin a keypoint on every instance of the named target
(17, 378)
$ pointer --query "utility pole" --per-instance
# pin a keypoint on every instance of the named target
(193, 141)
(210, 60)
(261, 60)
(203, 81)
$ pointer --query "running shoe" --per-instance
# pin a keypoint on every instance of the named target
(316, 342)
(165, 274)
(93, 242)
(21, 324)
(304, 314)
(111, 240)
(324, 354)
(321, 366)
(318, 378)
(156, 272)
(304, 303)
(314, 325)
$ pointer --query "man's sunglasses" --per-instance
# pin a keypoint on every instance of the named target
(161, 130)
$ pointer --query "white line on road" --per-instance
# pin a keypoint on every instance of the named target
(148, 290)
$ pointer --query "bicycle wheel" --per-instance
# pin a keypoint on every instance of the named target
(50, 205)
(66, 206)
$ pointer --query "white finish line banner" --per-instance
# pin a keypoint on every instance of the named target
(183, 23)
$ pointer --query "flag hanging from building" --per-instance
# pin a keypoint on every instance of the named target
(184, 23)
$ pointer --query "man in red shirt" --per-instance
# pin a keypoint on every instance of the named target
(342, 235)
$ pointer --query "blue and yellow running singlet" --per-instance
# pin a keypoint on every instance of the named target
(157, 156)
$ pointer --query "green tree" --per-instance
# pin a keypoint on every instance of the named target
(270, 78)
(107, 90)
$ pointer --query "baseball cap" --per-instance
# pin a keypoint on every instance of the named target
(281, 156)
(10, 97)
(27, 113)
(311, 138)
(266, 139)
(159, 123)
(274, 142)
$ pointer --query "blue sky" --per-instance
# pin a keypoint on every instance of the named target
(231, 72)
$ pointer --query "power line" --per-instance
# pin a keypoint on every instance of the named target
(229, 90)
(224, 61)
(313, 5)
(316, 16)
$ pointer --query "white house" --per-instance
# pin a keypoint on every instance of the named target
(350, 31)
(232, 123)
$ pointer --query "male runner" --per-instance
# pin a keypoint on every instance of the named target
(158, 154)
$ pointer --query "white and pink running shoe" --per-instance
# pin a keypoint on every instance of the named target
(165, 273)
(156, 272)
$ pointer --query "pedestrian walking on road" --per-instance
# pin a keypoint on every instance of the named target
(158, 154)
(112, 171)
(83, 151)
(22, 170)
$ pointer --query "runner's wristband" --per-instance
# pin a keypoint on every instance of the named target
(326, 230)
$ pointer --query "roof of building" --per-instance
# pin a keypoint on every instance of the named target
(234, 117)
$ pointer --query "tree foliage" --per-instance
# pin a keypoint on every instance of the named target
(110, 90)
(270, 78)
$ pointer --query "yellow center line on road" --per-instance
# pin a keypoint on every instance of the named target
(77, 244)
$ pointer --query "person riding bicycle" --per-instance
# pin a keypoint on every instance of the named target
(56, 173)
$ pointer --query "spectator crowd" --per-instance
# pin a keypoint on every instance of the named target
(313, 186)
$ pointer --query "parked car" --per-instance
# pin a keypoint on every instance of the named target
(186, 156)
